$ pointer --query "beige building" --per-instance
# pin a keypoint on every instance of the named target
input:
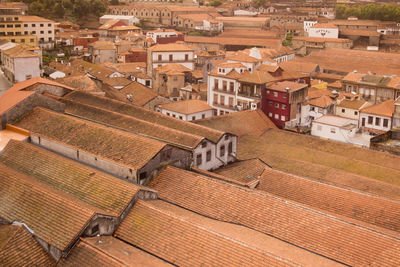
(42, 28)
(187, 110)
(12, 30)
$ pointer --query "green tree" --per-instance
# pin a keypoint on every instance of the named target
(59, 10)
(98, 7)
(114, 2)
(81, 8)
(36, 8)
(259, 3)
(215, 3)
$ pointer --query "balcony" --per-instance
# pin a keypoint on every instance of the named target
(221, 90)
(231, 107)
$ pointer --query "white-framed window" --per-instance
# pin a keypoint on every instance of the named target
(268, 92)
(270, 114)
(275, 94)
(277, 116)
(283, 118)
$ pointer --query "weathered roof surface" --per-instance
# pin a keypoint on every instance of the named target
(385, 108)
(240, 123)
(80, 83)
(282, 86)
(54, 216)
(322, 101)
(19, 248)
(170, 47)
(105, 142)
(20, 91)
(325, 25)
(187, 106)
(188, 239)
(337, 121)
(96, 188)
(132, 124)
(140, 94)
(327, 235)
(303, 67)
(353, 104)
(244, 171)
(325, 160)
(145, 114)
(108, 251)
(358, 205)
(234, 41)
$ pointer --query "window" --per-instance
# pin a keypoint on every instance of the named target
(370, 119)
(343, 110)
(32, 40)
(222, 151)
(277, 105)
(33, 25)
(283, 106)
(270, 103)
(168, 114)
(283, 118)
(356, 113)
(25, 25)
(284, 95)
(173, 115)
(216, 84)
(49, 25)
(231, 86)
(385, 122)
(193, 118)
(231, 101)
(198, 159)
(226, 137)
(333, 130)
(275, 94)
(17, 26)
(204, 144)
(203, 116)
(180, 117)
(186, 57)
(224, 85)
(230, 148)
(208, 155)
(41, 25)
(270, 114)
(26, 33)
(49, 31)
(9, 25)
(2, 26)
(41, 32)
(377, 121)
(277, 116)
(22, 40)
(142, 176)
(95, 229)
(268, 92)
(171, 57)
(159, 57)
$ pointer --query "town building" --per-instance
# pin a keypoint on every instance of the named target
(315, 108)
(281, 102)
(20, 63)
(187, 110)
(165, 36)
(42, 28)
(351, 108)
(377, 119)
(102, 51)
(12, 30)
(334, 128)
(324, 30)
(163, 54)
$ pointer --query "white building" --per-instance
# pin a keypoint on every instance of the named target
(223, 87)
(334, 128)
(377, 118)
(212, 25)
(316, 108)
(162, 33)
(187, 110)
(351, 108)
(324, 30)
(20, 64)
(307, 24)
(163, 54)
(128, 20)
(40, 27)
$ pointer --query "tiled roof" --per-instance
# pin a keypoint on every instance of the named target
(80, 83)
(325, 25)
(241, 57)
(20, 91)
(353, 104)
(85, 255)
(322, 39)
(20, 51)
(140, 94)
(33, 19)
(359, 32)
(281, 86)
(173, 68)
(133, 124)
(255, 122)
(327, 235)
(315, 92)
(187, 239)
(322, 101)
(103, 45)
(234, 41)
(258, 77)
(105, 142)
(385, 108)
(96, 188)
(243, 171)
(187, 106)
(134, 67)
(348, 60)
(324, 160)
(97, 71)
(53, 216)
(304, 67)
(117, 81)
(19, 248)
(108, 251)
(147, 115)
(169, 47)
(353, 204)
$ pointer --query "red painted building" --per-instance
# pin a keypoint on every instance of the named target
(281, 102)
(136, 55)
(84, 41)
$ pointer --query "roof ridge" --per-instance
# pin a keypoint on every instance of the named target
(102, 251)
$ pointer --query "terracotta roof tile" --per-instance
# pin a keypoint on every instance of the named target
(147, 115)
(96, 188)
(109, 143)
(133, 124)
(19, 248)
(240, 123)
(187, 239)
(350, 203)
(353, 104)
(303, 67)
(281, 86)
(325, 25)
(322, 101)
(243, 171)
(169, 47)
(140, 94)
(324, 234)
(234, 41)
(187, 106)
(385, 108)
(54, 217)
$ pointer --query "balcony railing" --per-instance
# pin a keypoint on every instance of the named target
(217, 89)
(216, 104)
